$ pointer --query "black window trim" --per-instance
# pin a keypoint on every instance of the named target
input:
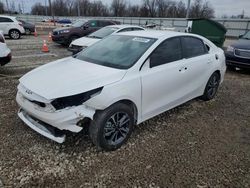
(182, 44)
(158, 47)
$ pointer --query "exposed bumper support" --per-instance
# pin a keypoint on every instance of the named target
(42, 128)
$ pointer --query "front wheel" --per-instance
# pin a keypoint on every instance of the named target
(112, 127)
(211, 87)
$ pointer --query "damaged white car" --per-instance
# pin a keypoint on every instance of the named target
(118, 82)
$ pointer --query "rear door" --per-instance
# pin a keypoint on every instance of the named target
(5, 24)
(197, 66)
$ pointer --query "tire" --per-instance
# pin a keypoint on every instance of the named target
(231, 68)
(14, 34)
(211, 87)
(106, 132)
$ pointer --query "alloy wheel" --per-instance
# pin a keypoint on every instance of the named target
(116, 128)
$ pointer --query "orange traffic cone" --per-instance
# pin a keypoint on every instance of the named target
(35, 33)
(45, 47)
(50, 37)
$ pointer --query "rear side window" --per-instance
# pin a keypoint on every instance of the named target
(5, 19)
(193, 47)
(168, 51)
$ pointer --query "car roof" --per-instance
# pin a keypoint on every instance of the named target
(157, 34)
(152, 34)
(123, 26)
(4, 16)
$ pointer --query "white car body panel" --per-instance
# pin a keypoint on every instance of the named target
(84, 41)
(152, 90)
(78, 74)
(7, 26)
(4, 50)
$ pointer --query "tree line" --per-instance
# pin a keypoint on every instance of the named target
(121, 8)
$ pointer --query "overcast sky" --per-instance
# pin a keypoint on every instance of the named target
(221, 7)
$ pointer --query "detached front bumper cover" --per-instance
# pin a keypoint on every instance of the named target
(41, 127)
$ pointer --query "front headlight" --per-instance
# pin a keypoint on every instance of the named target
(74, 100)
(230, 49)
(64, 31)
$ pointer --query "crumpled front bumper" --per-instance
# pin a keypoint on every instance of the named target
(48, 123)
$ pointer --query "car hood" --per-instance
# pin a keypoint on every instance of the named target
(69, 76)
(242, 44)
(85, 41)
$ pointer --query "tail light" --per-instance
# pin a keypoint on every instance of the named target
(2, 40)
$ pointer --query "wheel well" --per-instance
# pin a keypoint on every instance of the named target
(218, 72)
(132, 105)
(14, 30)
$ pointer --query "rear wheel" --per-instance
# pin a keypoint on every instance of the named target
(112, 127)
(14, 34)
(211, 87)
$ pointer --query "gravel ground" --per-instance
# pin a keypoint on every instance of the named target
(199, 144)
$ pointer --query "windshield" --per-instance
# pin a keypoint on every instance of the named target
(117, 51)
(79, 23)
(101, 33)
(246, 35)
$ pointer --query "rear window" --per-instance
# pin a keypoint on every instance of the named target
(193, 47)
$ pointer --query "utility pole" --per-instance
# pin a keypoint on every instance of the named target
(188, 9)
(46, 8)
(52, 12)
(7, 4)
(78, 8)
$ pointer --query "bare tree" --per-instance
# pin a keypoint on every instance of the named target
(60, 7)
(181, 10)
(151, 5)
(38, 9)
(118, 7)
(163, 6)
(1, 8)
(201, 10)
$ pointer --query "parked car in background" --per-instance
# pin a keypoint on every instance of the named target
(238, 54)
(118, 82)
(83, 42)
(5, 53)
(64, 21)
(79, 29)
(28, 27)
(11, 27)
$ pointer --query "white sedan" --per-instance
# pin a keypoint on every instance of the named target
(118, 82)
(83, 42)
(5, 53)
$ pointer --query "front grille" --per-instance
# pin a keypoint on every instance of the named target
(242, 53)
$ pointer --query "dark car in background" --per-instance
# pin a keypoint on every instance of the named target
(79, 29)
(238, 54)
(64, 21)
(28, 27)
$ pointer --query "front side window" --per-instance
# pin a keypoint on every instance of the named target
(193, 47)
(168, 51)
(116, 51)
